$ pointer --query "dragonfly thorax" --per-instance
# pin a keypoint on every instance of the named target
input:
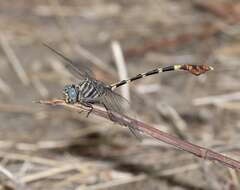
(90, 90)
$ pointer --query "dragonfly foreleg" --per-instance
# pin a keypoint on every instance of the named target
(88, 102)
(89, 105)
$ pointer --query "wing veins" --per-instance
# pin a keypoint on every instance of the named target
(69, 61)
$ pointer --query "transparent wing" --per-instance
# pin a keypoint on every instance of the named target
(80, 73)
(115, 102)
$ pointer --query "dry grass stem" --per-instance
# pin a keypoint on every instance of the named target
(217, 100)
(178, 170)
(49, 173)
(9, 175)
(12, 108)
(69, 37)
(28, 158)
(121, 67)
(232, 106)
(114, 183)
(179, 125)
(43, 91)
(196, 150)
(79, 177)
(46, 145)
(16, 64)
(36, 81)
(5, 88)
(60, 69)
(55, 146)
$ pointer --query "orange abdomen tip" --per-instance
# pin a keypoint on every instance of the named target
(197, 69)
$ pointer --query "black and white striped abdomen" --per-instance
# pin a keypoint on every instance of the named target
(89, 89)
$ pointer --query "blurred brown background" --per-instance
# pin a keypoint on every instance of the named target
(51, 148)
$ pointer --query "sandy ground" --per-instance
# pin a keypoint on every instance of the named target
(52, 148)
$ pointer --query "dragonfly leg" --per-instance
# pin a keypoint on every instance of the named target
(89, 105)
(135, 133)
(80, 111)
(131, 128)
(110, 115)
(90, 111)
(88, 102)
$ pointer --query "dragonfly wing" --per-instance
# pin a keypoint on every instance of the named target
(116, 103)
(79, 72)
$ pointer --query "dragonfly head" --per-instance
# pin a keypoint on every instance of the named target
(71, 93)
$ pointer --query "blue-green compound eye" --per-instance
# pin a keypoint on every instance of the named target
(66, 88)
(70, 93)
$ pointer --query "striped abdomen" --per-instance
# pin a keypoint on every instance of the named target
(194, 69)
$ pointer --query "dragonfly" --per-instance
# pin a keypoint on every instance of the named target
(89, 91)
